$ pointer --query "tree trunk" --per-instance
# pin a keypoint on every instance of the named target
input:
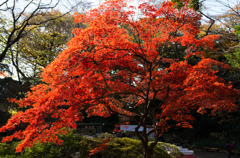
(147, 153)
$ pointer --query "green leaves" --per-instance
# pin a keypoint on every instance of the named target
(234, 58)
(194, 4)
(42, 44)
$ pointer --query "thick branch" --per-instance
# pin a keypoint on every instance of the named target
(212, 22)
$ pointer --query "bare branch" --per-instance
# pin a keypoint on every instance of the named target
(211, 19)
(1, 4)
(227, 5)
(4, 3)
(21, 21)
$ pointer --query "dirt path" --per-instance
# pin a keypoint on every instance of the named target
(209, 154)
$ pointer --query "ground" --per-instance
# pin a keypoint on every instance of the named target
(208, 154)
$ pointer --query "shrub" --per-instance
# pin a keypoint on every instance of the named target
(132, 148)
(44, 150)
(116, 147)
(51, 150)
(105, 135)
(7, 150)
(87, 144)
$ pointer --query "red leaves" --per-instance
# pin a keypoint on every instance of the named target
(199, 89)
(100, 147)
(121, 65)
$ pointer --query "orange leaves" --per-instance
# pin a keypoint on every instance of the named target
(12, 122)
(3, 74)
(117, 128)
(119, 64)
(100, 147)
(194, 87)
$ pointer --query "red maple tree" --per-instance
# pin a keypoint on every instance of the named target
(118, 64)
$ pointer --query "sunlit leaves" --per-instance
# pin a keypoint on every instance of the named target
(119, 64)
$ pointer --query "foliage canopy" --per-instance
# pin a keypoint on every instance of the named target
(120, 64)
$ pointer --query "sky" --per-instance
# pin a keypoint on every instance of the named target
(212, 7)
(215, 6)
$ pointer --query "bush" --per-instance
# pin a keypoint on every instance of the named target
(132, 148)
(105, 135)
(173, 150)
(7, 150)
(51, 150)
(44, 150)
(123, 147)
(116, 147)
(87, 144)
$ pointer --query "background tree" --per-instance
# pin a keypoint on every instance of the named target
(234, 57)
(20, 23)
(41, 46)
(21, 20)
(25, 26)
(117, 65)
(224, 126)
(202, 6)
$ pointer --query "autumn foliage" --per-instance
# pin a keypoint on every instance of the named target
(118, 64)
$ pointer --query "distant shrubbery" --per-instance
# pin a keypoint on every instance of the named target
(43, 150)
(78, 146)
(123, 147)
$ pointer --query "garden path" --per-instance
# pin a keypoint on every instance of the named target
(209, 154)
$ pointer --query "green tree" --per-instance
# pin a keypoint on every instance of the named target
(42, 44)
(234, 58)
(20, 24)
